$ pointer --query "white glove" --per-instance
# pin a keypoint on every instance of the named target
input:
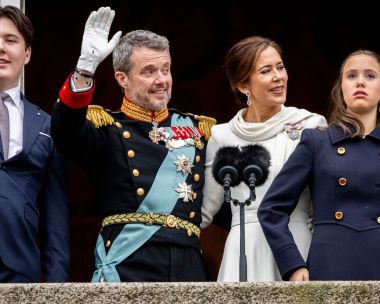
(95, 44)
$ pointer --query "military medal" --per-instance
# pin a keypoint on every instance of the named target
(183, 164)
(173, 137)
(174, 144)
(185, 192)
(154, 135)
(177, 136)
(294, 129)
(198, 143)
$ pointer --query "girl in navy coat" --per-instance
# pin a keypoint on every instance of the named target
(341, 165)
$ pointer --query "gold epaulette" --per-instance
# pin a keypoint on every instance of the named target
(205, 124)
(98, 116)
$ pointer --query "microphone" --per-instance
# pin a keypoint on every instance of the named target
(255, 162)
(226, 169)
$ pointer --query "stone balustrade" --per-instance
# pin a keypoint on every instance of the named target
(175, 293)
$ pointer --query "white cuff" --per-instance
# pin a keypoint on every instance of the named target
(75, 90)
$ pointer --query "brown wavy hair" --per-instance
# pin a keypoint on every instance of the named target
(21, 21)
(338, 114)
(242, 57)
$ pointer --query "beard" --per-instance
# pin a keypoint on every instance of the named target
(147, 103)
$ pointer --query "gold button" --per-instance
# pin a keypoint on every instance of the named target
(196, 177)
(194, 196)
(378, 219)
(189, 232)
(118, 124)
(108, 243)
(140, 191)
(339, 215)
(126, 134)
(192, 214)
(136, 172)
(342, 181)
(341, 150)
(197, 159)
(131, 153)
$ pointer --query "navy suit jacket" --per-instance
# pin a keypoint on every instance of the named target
(34, 209)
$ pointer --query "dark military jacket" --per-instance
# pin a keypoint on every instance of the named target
(121, 162)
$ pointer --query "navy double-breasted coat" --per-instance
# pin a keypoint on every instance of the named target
(343, 174)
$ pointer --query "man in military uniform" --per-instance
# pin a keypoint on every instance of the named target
(145, 163)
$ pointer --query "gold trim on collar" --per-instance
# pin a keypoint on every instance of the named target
(136, 112)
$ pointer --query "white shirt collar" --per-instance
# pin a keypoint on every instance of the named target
(15, 94)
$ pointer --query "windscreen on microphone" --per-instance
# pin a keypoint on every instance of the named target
(226, 166)
(255, 160)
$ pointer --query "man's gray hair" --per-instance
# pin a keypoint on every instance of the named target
(136, 39)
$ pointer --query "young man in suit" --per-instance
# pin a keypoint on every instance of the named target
(33, 198)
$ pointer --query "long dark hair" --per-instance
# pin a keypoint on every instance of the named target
(338, 114)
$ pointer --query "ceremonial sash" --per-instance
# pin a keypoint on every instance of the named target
(133, 236)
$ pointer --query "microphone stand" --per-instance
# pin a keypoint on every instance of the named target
(230, 168)
(247, 202)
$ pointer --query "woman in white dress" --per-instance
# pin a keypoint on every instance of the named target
(258, 77)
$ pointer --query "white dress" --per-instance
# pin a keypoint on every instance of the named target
(273, 135)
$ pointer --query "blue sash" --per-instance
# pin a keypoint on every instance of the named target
(133, 236)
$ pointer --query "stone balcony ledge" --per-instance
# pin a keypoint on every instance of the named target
(210, 292)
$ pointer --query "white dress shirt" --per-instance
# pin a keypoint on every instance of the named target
(16, 116)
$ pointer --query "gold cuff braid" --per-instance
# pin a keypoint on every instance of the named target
(149, 218)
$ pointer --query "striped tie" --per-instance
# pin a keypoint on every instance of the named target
(4, 123)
